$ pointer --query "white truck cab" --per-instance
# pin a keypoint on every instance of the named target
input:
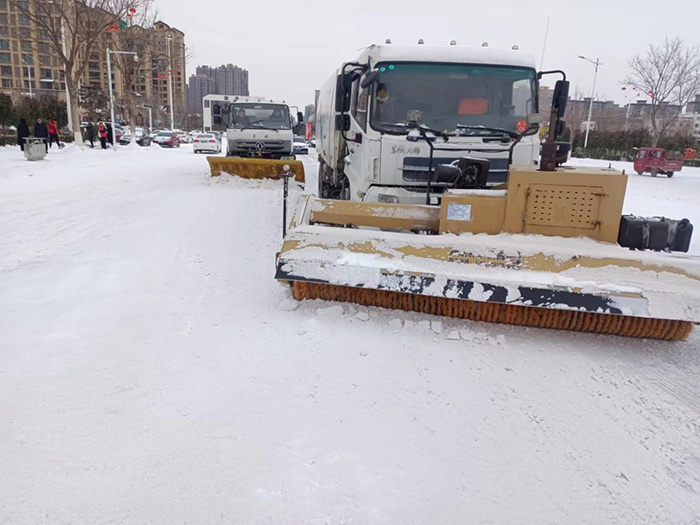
(255, 126)
(387, 119)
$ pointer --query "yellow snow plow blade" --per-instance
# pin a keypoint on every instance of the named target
(517, 256)
(255, 168)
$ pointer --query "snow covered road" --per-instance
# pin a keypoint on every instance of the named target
(152, 371)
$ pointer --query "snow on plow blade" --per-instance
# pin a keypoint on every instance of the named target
(255, 168)
(533, 280)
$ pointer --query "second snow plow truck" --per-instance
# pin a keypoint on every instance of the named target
(259, 136)
(461, 213)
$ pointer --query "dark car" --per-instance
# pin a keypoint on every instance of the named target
(142, 139)
(167, 139)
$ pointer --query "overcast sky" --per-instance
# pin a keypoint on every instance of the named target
(291, 47)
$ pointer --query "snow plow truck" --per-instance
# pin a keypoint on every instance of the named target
(436, 196)
(259, 135)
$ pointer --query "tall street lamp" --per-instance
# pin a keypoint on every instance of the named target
(170, 83)
(590, 108)
(150, 115)
(29, 70)
(109, 80)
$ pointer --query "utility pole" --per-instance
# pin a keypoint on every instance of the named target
(590, 108)
(170, 83)
(150, 116)
(29, 70)
(111, 90)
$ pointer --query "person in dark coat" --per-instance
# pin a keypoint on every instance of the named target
(22, 132)
(41, 131)
(91, 134)
(110, 133)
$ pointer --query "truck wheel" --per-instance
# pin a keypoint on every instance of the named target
(325, 188)
(654, 172)
(640, 173)
(669, 174)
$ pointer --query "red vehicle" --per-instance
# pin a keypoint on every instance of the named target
(655, 161)
(167, 139)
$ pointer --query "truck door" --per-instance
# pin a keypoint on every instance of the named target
(362, 162)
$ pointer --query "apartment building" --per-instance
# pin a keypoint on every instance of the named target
(151, 83)
(222, 80)
(30, 67)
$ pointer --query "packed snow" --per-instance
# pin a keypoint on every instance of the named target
(153, 371)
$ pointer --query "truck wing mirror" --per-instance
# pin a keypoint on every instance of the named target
(342, 122)
(300, 117)
(343, 92)
(561, 96)
(370, 79)
(559, 129)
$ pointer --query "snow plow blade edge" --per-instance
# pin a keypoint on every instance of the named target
(255, 168)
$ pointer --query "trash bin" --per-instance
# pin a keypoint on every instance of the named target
(35, 148)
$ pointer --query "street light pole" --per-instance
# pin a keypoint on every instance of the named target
(29, 70)
(170, 83)
(111, 90)
(590, 108)
(150, 116)
(109, 81)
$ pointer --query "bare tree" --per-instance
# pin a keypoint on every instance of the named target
(670, 73)
(136, 37)
(95, 101)
(73, 29)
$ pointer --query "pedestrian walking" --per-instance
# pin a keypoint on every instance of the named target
(22, 132)
(53, 133)
(110, 134)
(91, 134)
(41, 131)
(102, 130)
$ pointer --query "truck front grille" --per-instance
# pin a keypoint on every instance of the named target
(415, 169)
(271, 146)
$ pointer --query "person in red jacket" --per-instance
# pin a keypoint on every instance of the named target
(53, 133)
(102, 132)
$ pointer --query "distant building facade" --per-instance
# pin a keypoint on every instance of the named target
(222, 80)
(200, 86)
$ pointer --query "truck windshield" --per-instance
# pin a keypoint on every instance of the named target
(251, 116)
(453, 98)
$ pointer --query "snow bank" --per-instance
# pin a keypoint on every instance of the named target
(152, 370)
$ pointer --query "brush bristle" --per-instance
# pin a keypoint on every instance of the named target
(665, 329)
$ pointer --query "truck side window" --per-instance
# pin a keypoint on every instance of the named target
(522, 97)
(359, 112)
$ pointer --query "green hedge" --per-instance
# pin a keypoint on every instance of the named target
(11, 140)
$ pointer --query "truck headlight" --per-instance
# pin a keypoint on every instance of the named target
(390, 199)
